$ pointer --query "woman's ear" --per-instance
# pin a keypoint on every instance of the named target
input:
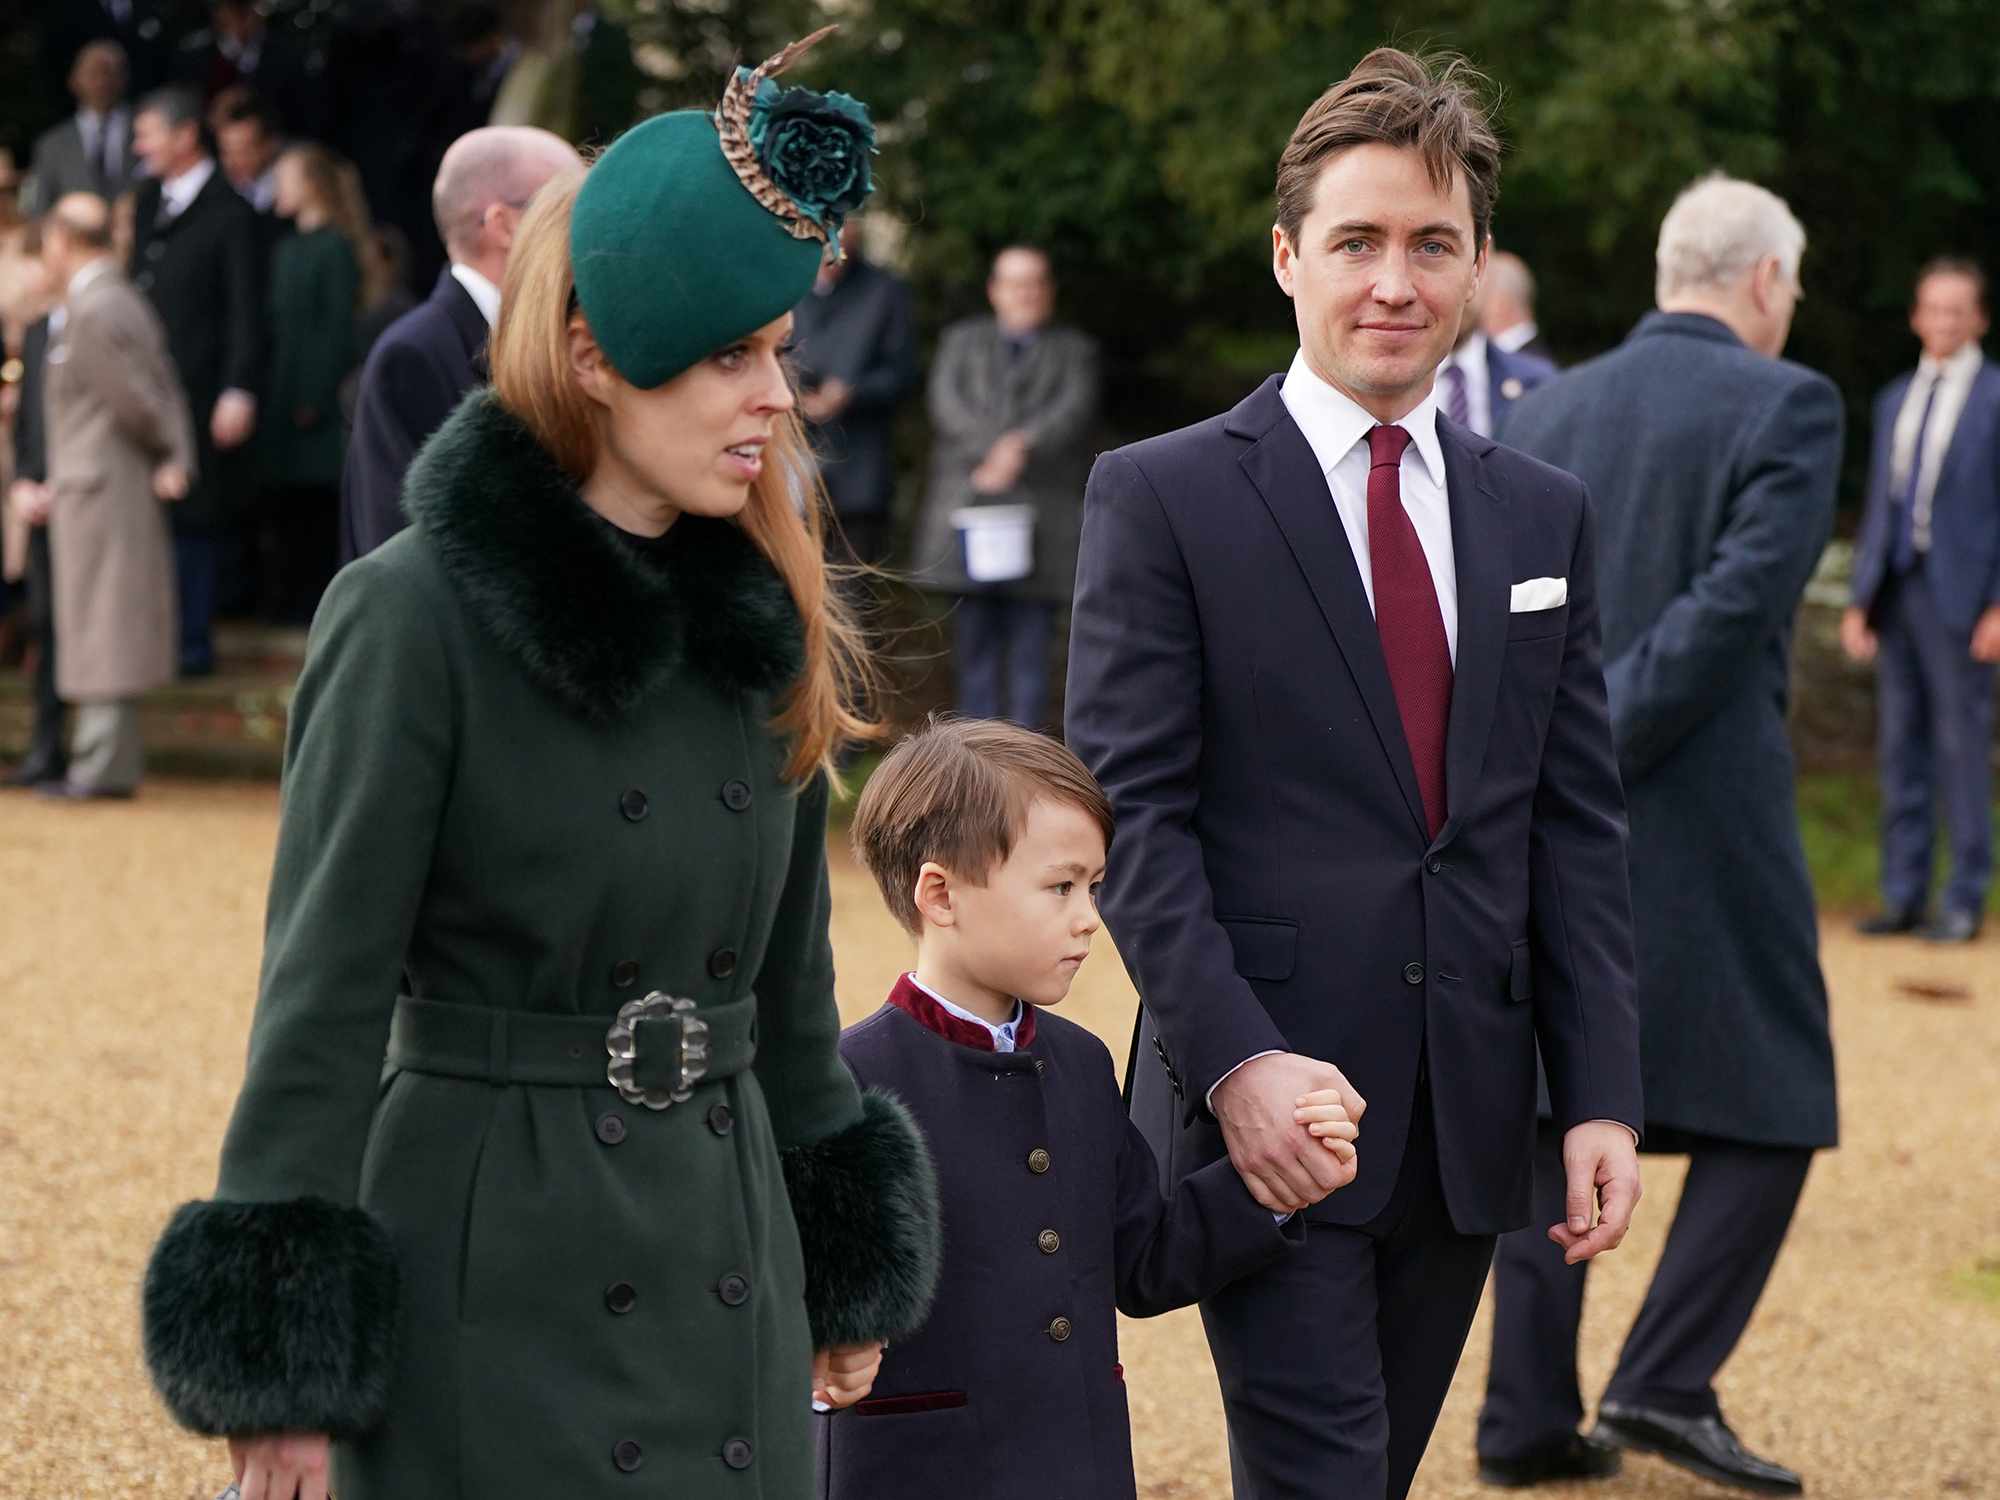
(587, 364)
(933, 897)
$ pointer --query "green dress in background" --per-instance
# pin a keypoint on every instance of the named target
(314, 288)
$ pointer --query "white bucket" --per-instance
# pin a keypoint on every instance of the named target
(998, 541)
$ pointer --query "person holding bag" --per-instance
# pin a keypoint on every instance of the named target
(593, 1195)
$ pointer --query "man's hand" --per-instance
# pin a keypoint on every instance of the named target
(1856, 639)
(1281, 1163)
(1001, 469)
(827, 400)
(32, 501)
(1986, 636)
(170, 482)
(233, 420)
(845, 1373)
(281, 1465)
(1602, 1165)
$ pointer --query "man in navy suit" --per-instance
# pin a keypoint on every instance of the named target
(1927, 605)
(1335, 660)
(1479, 381)
(430, 357)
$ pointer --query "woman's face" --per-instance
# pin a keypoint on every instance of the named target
(288, 188)
(697, 443)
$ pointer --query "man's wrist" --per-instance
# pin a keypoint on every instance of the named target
(1208, 1100)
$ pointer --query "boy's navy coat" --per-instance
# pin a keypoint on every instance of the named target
(993, 1399)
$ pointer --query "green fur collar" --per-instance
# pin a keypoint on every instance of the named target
(592, 621)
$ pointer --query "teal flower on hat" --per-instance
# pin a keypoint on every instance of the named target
(803, 155)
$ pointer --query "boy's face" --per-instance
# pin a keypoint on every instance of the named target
(1027, 930)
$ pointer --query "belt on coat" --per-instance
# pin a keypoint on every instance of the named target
(654, 1052)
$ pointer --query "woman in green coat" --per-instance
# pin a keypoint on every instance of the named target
(546, 1178)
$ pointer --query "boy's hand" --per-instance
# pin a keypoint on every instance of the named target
(1326, 1120)
(845, 1373)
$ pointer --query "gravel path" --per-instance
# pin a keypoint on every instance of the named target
(129, 940)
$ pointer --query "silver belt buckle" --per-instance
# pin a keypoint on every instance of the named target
(622, 1042)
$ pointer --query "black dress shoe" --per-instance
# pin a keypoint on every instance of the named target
(30, 775)
(1572, 1456)
(1701, 1445)
(1889, 923)
(75, 791)
(1954, 927)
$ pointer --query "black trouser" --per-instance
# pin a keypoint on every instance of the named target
(297, 546)
(48, 753)
(1733, 1215)
(1335, 1362)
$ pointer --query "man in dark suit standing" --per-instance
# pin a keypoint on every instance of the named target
(1927, 605)
(856, 342)
(1507, 307)
(1479, 381)
(91, 151)
(197, 255)
(1335, 660)
(1714, 464)
(432, 355)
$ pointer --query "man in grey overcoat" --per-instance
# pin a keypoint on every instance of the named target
(119, 444)
(1713, 464)
(1013, 399)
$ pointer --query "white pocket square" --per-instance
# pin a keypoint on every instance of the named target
(1538, 593)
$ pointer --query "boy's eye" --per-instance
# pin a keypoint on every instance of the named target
(1063, 887)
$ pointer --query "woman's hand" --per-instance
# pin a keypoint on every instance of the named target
(842, 1375)
(281, 1465)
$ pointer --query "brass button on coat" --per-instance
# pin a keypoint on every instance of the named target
(1060, 1330)
(722, 963)
(720, 1119)
(1049, 1241)
(611, 1129)
(1038, 1161)
(737, 1453)
(620, 1297)
(633, 805)
(628, 1455)
(624, 973)
(736, 795)
(734, 1291)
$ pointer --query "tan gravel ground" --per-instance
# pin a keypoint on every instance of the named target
(128, 957)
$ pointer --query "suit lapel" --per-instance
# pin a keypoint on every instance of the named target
(1984, 385)
(1281, 465)
(1482, 555)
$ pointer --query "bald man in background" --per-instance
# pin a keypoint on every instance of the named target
(431, 356)
(1508, 311)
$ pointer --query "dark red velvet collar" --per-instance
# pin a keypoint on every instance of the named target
(927, 1013)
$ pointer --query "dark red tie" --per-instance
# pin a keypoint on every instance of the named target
(1408, 619)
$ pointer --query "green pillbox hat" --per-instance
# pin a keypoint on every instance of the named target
(694, 229)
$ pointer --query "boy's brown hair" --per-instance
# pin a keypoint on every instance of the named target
(957, 793)
(1391, 98)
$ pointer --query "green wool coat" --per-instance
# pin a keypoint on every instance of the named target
(314, 287)
(530, 769)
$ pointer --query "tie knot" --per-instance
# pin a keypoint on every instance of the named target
(1386, 445)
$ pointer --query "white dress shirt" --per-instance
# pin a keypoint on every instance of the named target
(1003, 1035)
(1956, 375)
(176, 193)
(1337, 428)
(1470, 360)
(1517, 338)
(484, 294)
(113, 127)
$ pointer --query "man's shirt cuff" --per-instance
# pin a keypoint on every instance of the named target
(1209, 1101)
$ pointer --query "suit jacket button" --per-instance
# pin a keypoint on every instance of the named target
(144, 281)
(623, 973)
(620, 1297)
(633, 805)
(737, 1453)
(1038, 1161)
(734, 1291)
(736, 795)
(722, 963)
(611, 1129)
(1413, 973)
(155, 250)
(1048, 1242)
(1434, 864)
(720, 1120)
(1060, 1330)
(628, 1455)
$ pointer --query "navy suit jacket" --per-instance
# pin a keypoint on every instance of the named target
(416, 374)
(1511, 376)
(1963, 567)
(1272, 884)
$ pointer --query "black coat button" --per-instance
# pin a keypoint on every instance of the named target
(611, 1129)
(720, 1119)
(156, 250)
(620, 1296)
(734, 1291)
(628, 1455)
(1048, 1242)
(1060, 1330)
(623, 973)
(1413, 973)
(1038, 1161)
(736, 795)
(633, 804)
(1434, 864)
(144, 281)
(722, 963)
(737, 1454)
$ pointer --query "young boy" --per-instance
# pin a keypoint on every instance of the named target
(988, 842)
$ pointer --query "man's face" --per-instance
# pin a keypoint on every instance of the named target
(1382, 273)
(1022, 290)
(98, 80)
(167, 150)
(1947, 315)
(244, 150)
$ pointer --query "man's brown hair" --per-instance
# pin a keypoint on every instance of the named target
(1430, 104)
(957, 793)
(1953, 265)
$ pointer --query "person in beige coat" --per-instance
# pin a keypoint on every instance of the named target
(119, 445)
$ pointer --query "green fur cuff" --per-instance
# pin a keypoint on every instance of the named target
(270, 1317)
(866, 1201)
